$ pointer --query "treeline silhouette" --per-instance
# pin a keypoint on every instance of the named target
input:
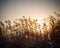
(27, 33)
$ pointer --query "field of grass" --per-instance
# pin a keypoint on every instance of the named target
(27, 33)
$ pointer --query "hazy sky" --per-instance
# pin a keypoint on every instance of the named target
(12, 9)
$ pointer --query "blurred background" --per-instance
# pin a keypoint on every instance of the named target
(29, 24)
(12, 9)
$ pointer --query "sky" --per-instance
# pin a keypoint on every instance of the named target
(13, 9)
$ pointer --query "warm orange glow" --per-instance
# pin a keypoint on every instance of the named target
(26, 25)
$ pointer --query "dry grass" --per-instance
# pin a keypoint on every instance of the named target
(26, 31)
